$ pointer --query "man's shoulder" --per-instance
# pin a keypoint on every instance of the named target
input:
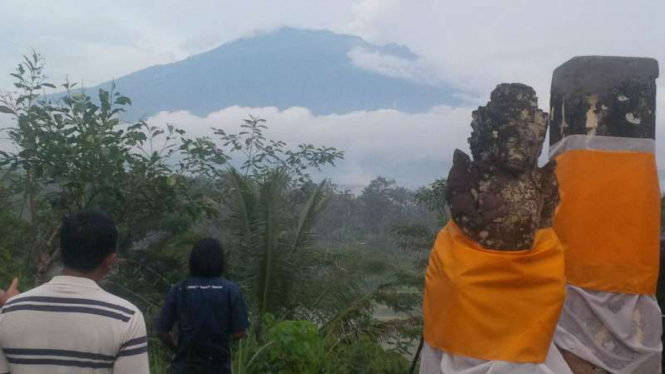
(110, 298)
(40, 291)
(44, 293)
(88, 301)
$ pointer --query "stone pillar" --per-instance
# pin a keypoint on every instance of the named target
(602, 133)
(600, 95)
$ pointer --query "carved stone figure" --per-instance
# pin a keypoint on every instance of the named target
(501, 197)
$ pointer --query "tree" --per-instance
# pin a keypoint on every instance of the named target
(13, 232)
(433, 198)
(341, 224)
(404, 294)
(75, 153)
(262, 156)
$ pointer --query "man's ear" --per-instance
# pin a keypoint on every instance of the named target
(110, 261)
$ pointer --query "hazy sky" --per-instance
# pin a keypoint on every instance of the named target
(471, 44)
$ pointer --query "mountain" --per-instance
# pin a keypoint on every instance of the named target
(285, 68)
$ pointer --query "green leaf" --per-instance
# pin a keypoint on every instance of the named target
(123, 100)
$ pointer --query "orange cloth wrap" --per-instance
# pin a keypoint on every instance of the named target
(608, 220)
(493, 305)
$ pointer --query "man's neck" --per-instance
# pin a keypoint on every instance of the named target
(93, 275)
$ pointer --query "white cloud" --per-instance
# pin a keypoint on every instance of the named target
(370, 17)
(412, 70)
(477, 44)
(386, 142)
(6, 121)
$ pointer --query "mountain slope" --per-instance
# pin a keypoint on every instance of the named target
(289, 67)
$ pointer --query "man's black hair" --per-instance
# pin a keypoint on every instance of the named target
(207, 259)
(86, 239)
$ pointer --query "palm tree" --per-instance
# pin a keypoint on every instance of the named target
(272, 243)
(270, 238)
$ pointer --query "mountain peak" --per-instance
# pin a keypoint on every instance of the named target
(283, 68)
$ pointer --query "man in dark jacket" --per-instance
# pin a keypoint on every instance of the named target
(210, 311)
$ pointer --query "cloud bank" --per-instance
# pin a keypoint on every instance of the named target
(414, 149)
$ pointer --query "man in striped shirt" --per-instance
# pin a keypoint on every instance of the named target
(70, 325)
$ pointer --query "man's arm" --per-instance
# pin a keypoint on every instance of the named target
(239, 317)
(11, 292)
(167, 317)
(133, 354)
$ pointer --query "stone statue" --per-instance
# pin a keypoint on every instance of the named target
(501, 197)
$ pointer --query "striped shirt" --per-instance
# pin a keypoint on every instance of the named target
(70, 325)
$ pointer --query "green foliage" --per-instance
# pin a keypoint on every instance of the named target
(79, 153)
(382, 199)
(404, 293)
(297, 347)
(13, 234)
(160, 358)
(368, 220)
(397, 227)
(433, 197)
(364, 356)
(76, 153)
(263, 155)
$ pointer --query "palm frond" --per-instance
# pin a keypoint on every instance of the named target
(271, 211)
(243, 202)
(314, 205)
(347, 321)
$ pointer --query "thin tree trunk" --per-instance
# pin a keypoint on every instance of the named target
(47, 257)
(417, 356)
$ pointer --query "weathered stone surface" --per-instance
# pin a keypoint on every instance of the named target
(501, 197)
(602, 95)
